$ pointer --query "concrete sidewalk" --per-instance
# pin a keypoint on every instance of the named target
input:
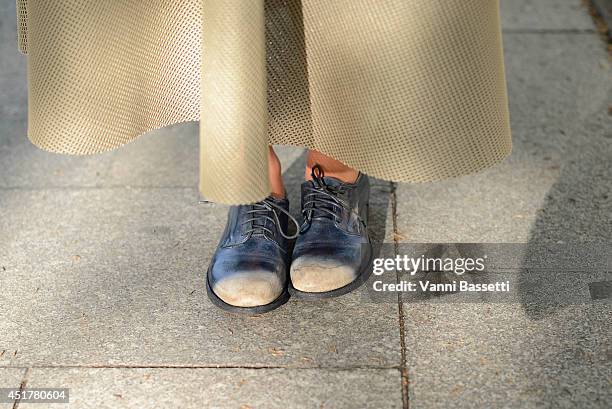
(102, 263)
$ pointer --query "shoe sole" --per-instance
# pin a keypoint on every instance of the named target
(362, 277)
(259, 309)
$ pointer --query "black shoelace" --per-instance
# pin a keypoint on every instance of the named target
(322, 199)
(260, 215)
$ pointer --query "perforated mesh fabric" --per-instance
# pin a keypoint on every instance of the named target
(403, 90)
(22, 29)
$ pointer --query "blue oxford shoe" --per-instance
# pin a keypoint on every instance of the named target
(248, 272)
(333, 253)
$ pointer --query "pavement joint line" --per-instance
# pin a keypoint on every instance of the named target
(403, 368)
(22, 385)
(257, 367)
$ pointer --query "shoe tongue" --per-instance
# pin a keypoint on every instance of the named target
(327, 181)
(332, 181)
(284, 202)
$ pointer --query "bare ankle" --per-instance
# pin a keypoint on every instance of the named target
(275, 175)
(331, 167)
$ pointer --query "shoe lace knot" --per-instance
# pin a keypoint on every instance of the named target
(322, 199)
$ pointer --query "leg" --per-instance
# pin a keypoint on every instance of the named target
(330, 166)
(275, 175)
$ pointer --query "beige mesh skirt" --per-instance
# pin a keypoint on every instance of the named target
(403, 90)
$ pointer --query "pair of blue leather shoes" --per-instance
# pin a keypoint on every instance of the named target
(252, 270)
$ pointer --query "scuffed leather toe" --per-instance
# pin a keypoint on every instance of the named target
(249, 288)
(318, 275)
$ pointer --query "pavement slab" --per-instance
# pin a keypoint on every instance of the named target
(116, 277)
(222, 388)
(547, 344)
(496, 356)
